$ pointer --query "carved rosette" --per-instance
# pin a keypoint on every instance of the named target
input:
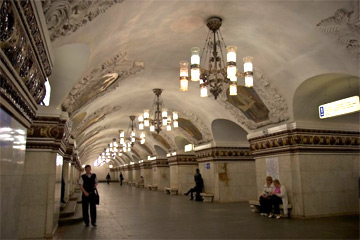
(345, 25)
(306, 140)
(216, 154)
(275, 103)
(48, 133)
(160, 163)
(64, 17)
(182, 160)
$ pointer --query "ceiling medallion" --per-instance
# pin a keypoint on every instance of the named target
(213, 72)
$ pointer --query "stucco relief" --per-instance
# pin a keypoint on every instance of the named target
(84, 137)
(94, 118)
(274, 102)
(64, 17)
(346, 26)
(171, 143)
(100, 81)
(205, 131)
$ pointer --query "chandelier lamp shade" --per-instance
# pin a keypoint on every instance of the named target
(159, 117)
(210, 69)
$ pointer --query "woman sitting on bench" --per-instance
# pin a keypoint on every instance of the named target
(264, 200)
(279, 196)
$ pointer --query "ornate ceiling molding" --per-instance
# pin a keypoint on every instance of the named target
(276, 104)
(100, 81)
(205, 131)
(84, 137)
(94, 118)
(64, 17)
(345, 25)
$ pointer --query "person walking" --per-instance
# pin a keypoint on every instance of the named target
(88, 183)
(108, 178)
(121, 178)
(199, 184)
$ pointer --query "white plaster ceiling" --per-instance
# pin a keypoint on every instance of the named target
(282, 36)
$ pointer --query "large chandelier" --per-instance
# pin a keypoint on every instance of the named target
(159, 116)
(213, 72)
(127, 142)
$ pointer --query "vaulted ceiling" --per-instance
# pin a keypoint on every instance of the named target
(109, 55)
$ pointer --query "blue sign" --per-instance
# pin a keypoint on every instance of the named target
(208, 165)
(322, 113)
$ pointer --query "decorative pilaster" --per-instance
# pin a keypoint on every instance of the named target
(318, 167)
(41, 190)
(182, 170)
(228, 172)
(161, 173)
(146, 172)
(135, 168)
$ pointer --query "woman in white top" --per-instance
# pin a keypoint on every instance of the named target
(279, 196)
(264, 200)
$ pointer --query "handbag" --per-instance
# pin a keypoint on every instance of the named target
(96, 197)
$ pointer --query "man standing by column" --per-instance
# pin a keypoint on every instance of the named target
(88, 183)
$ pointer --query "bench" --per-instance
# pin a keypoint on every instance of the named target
(132, 183)
(152, 187)
(139, 185)
(255, 207)
(169, 190)
(207, 197)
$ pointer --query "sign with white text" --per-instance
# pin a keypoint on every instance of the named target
(340, 107)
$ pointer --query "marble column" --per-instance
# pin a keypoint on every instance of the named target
(320, 168)
(12, 157)
(135, 168)
(67, 178)
(41, 187)
(160, 173)
(228, 172)
(182, 170)
(146, 172)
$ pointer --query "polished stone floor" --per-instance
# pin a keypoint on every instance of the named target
(136, 213)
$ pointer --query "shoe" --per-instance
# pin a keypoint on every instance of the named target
(86, 225)
(278, 217)
(191, 198)
(261, 214)
(265, 214)
(271, 215)
(94, 224)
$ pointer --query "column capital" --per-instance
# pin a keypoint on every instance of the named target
(305, 140)
(160, 162)
(224, 154)
(182, 159)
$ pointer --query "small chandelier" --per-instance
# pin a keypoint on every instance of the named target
(127, 143)
(217, 72)
(160, 116)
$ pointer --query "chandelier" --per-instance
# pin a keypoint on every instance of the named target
(126, 143)
(159, 117)
(213, 72)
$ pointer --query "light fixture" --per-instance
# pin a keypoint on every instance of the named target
(160, 116)
(214, 72)
(127, 142)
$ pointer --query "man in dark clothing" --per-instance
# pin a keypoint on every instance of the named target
(88, 183)
(199, 184)
(121, 177)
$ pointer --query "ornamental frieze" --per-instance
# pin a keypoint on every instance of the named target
(145, 165)
(306, 140)
(64, 17)
(182, 160)
(224, 154)
(160, 163)
(17, 52)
